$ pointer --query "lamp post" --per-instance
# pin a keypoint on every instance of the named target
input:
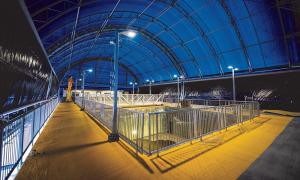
(82, 88)
(233, 69)
(182, 88)
(178, 89)
(114, 136)
(150, 85)
(76, 87)
(133, 84)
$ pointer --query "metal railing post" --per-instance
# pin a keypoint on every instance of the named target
(137, 132)
(2, 126)
(22, 138)
(142, 145)
(157, 134)
(149, 133)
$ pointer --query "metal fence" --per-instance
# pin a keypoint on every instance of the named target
(19, 130)
(168, 129)
(130, 99)
(151, 132)
(129, 122)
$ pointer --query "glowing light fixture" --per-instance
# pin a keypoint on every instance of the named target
(130, 33)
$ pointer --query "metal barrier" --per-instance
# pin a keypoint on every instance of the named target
(129, 122)
(168, 129)
(151, 132)
(18, 132)
(130, 99)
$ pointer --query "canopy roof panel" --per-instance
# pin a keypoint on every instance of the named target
(194, 38)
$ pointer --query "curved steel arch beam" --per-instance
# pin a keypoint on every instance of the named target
(80, 38)
(150, 53)
(165, 29)
(179, 9)
(147, 35)
(91, 59)
(255, 30)
(59, 14)
(235, 27)
(83, 4)
(84, 51)
(194, 23)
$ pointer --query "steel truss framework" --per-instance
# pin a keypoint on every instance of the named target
(120, 18)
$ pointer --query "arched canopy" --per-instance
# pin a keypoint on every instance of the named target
(194, 38)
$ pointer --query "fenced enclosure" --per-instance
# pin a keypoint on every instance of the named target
(19, 130)
(153, 130)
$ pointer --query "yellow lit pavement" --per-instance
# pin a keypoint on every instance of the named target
(72, 146)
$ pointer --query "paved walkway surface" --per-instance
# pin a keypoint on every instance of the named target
(72, 146)
(284, 113)
(282, 159)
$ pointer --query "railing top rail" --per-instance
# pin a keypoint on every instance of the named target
(26, 106)
(200, 108)
(211, 100)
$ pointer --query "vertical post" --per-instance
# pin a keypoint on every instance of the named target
(133, 88)
(149, 132)
(233, 85)
(178, 93)
(182, 91)
(142, 140)
(114, 136)
(2, 126)
(157, 134)
(75, 89)
(21, 138)
(137, 132)
(82, 91)
(150, 88)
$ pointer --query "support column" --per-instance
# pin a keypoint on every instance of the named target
(114, 136)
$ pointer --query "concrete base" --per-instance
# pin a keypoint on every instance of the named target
(113, 137)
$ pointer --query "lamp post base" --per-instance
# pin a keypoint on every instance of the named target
(113, 137)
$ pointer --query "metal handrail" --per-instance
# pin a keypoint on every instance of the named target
(20, 132)
(142, 129)
(25, 106)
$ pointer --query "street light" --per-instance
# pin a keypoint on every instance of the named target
(178, 88)
(82, 87)
(133, 84)
(76, 86)
(182, 88)
(150, 85)
(114, 136)
(233, 69)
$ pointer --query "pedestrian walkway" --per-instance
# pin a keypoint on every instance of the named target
(73, 146)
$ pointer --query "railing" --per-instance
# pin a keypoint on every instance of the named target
(151, 132)
(201, 102)
(129, 122)
(168, 129)
(130, 99)
(19, 130)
